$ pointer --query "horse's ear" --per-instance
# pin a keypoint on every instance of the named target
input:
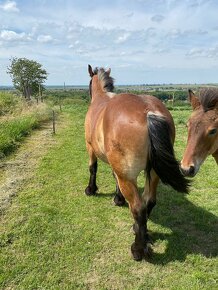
(108, 71)
(90, 71)
(193, 99)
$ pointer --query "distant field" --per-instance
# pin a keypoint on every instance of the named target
(134, 87)
(55, 237)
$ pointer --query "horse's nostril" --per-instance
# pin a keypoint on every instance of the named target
(191, 170)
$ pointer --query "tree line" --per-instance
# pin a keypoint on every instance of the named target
(28, 77)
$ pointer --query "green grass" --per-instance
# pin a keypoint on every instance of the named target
(55, 237)
(8, 102)
(14, 128)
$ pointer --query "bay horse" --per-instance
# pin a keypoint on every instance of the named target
(131, 133)
(202, 131)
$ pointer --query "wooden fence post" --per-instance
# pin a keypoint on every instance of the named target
(53, 118)
(60, 104)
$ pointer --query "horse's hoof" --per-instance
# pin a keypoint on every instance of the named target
(141, 253)
(149, 239)
(119, 201)
(137, 253)
(148, 251)
(90, 191)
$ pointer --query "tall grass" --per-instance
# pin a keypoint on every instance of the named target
(13, 131)
(8, 103)
(17, 120)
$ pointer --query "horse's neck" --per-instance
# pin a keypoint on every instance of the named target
(98, 95)
(99, 101)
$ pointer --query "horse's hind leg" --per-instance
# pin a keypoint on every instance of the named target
(149, 194)
(141, 247)
(93, 166)
(119, 200)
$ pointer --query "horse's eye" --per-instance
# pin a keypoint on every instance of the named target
(212, 131)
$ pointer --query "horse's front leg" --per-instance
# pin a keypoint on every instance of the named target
(141, 247)
(93, 166)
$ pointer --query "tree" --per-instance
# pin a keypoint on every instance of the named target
(27, 76)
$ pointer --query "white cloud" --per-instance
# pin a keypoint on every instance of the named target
(211, 52)
(11, 36)
(75, 44)
(45, 38)
(9, 6)
(123, 38)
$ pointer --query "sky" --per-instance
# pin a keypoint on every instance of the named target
(142, 41)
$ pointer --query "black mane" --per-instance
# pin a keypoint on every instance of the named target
(208, 98)
(107, 80)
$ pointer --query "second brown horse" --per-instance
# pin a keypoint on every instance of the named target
(131, 133)
(202, 131)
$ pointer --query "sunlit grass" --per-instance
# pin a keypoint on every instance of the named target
(55, 237)
(18, 119)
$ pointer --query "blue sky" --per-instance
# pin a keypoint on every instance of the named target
(143, 41)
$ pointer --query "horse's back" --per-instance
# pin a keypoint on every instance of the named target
(131, 111)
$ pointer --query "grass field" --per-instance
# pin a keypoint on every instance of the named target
(18, 119)
(55, 237)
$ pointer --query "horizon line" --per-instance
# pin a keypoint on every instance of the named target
(144, 84)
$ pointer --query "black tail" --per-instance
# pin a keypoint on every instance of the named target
(161, 154)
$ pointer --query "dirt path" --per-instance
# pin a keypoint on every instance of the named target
(16, 170)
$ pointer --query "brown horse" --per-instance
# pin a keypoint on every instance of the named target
(202, 131)
(131, 133)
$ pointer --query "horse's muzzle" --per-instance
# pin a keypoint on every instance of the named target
(188, 171)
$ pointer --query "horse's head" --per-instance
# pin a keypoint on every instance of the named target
(100, 80)
(202, 130)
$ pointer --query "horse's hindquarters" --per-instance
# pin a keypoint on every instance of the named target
(126, 148)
